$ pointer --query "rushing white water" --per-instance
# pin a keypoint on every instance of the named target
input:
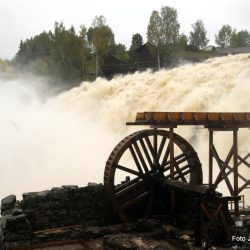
(68, 139)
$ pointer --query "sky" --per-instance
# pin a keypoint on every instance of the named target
(22, 19)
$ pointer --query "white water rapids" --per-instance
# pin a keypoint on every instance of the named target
(67, 139)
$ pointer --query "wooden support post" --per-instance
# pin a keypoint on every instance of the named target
(172, 163)
(235, 167)
(210, 173)
(155, 148)
(171, 141)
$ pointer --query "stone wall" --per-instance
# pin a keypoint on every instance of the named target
(58, 207)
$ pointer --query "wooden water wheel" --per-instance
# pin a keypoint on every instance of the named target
(138, 163)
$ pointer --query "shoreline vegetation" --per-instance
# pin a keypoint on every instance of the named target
(68, 57)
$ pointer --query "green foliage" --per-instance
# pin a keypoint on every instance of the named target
(163, 31)
(101, 38)
(54, 53)
(170, 25)
(66, 55)
(154, 31)
(240, 39)
(183, 41)
(119, 51)
(137, 41)
(198, 37)
(228, 37)
(84, 51)
(224, 37)
(72, 56)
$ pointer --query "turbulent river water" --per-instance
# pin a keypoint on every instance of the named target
(68, 138)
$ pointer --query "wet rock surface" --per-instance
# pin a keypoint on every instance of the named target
(155, 236)
(8, 203)
(69, 214)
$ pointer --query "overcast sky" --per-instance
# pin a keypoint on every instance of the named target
(22, 19)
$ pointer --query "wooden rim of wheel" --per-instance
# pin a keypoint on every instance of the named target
(150, 153)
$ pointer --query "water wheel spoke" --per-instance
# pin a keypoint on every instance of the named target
(182, 158)
(183, 174)
(126, 184)
(146, 153)
(155, 143)
(134, 200)
(181, 170)
(129, 188)
(178, 160)
(144, 165)
(166, 155)
(161, 147)
(137, 163)
(152, 151)
(126, 196)
(128, 170)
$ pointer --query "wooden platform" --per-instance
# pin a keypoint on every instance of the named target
(206, 119)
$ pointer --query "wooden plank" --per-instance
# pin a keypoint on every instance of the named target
(185, 186)
(208, 119)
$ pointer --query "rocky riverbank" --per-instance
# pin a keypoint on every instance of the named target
(72, 217)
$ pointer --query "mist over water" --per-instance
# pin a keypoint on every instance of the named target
(68, 138)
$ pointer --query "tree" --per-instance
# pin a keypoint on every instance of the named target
(240, 39)
(83, 49)
(65, 53)
(154, 33)
(224, 37)
(170, 25)
(119, 51)
(101, 37)
(183, 41)
(198, 37)
(234, 39)
(136, 42)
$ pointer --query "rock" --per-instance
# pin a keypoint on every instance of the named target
(43, 193)
(185, 238)
(65, 206)
(92, 184)
(82, 213)
(16, 228)
(1, 245)
(172, 231)
(8, 202)
(13, 211)
(118, 242)
(14, 223)
(1, 231)
(70, 186)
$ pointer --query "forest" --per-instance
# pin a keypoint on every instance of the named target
(72, 56)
